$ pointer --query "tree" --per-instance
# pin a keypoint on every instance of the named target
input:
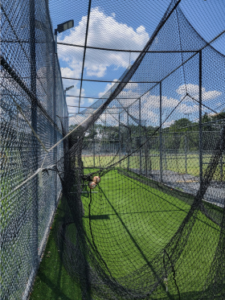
(205, 120)
(181, 125)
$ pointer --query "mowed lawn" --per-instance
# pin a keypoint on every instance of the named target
(176, 163)
(131, 223)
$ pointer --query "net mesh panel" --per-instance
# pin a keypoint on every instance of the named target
(156, 218)
(31, 97)
(153, 228)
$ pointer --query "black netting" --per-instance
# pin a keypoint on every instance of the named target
(153, 227)
(31, 98)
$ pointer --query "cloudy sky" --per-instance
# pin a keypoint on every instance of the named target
(128, 26)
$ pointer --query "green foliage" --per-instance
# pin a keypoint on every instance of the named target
(180, 125)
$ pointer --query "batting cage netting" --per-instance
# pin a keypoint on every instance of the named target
(141, 169)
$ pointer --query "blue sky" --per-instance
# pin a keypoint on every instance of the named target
(127, 25)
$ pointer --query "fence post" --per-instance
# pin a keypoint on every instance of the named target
(140, 134)
(221, 167)
(164, 151)
(160, 131)
(185, 145)
(34, 140)
(128, 160)
(200, 119)
(119, 141)
(93, 144)
(54, 116)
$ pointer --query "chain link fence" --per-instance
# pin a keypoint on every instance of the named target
(32, 109)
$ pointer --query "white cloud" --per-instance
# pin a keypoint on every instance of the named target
(193, 90)
(131, 85)
(169, 104)
(104, 31)
(76, 119)
(71, 73)
(74, 101)
(168, 123)
(107, 88)
(91, 100)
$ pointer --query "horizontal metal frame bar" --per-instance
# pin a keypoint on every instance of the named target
(128, 51)
(109, 81)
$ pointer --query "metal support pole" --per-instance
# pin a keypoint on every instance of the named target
(17, 126)
(146, 155)
(140, 133)
(55, 40)
(221, 167)
(128, 160)
(185, 149)
(54, 117)
(119, 141)
(94, 144)
(164, 152)
(63, 117)
(34, 139)
(160, 132)
(200, 119)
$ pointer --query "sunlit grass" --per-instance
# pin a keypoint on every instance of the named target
(131, 222)
(170, 162)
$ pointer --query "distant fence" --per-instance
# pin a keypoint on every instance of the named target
(32, 100)
(184, 159)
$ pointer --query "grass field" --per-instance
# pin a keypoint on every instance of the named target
(131, 223)
(172, 162)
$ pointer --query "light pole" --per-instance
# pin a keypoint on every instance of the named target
(67, 89)
(60, 28)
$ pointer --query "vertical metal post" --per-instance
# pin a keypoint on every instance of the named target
(54, 117)
(106, 144)
(165, 152)
(221, 167)
(160, 132)
(34, 140)
(128, 160)
(185, 149)
(140, 134)
(119, 141)
(17, 126)
(63, 117)
(55, 40)
(94, 144)
(200, 119)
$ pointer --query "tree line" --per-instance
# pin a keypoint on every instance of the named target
(182, 134)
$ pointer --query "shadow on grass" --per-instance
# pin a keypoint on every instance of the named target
(56, 291)
(52, 281)
(98, 217)
(169, 202)
(107, 217)
(137, 246)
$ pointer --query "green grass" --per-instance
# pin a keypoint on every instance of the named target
(170, 162)
(131, 223)
(52, 280)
